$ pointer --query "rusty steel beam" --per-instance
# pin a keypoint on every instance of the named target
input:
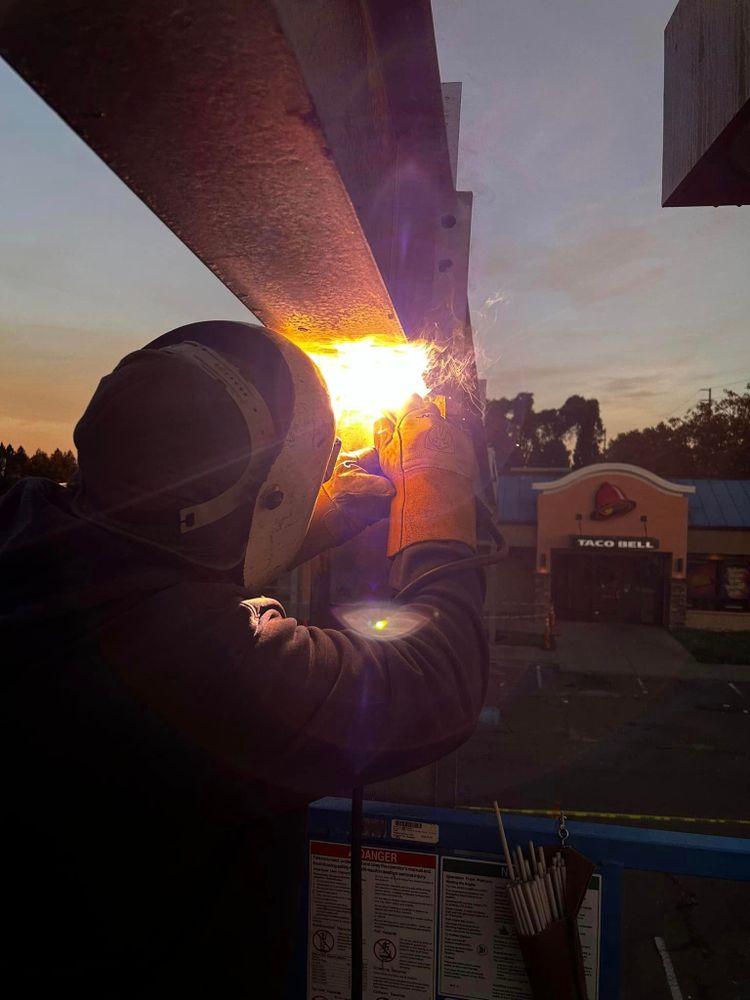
(202, 109)
(371, 68)
(707, 104)
(289, 143)
(298, 147)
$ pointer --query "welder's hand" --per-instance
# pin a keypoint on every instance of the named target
(355, 496)
(432, 465)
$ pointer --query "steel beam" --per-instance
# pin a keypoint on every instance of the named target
(298, 147)
(707, 104)
(202, 109)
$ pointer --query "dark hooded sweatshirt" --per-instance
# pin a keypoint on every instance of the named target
(163, 734)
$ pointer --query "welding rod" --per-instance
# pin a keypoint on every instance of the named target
(537, 889)
(542, 861)
(503, 840)
(522, 923)
(532, 855)
(524, 908)
(520, 863)
(537, 920)
(542, 902)
(559, 895)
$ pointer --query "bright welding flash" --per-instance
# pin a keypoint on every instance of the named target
(366, 378)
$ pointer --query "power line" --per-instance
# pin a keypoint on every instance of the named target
(744, 381)
(707, 389)
(678, 407)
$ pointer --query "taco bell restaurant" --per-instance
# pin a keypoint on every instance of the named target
(617, 543)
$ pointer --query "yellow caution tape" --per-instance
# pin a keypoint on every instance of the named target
(584, 814)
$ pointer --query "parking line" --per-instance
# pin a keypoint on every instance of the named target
(666, 961)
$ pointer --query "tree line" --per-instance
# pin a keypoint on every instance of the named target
(16, 464)
(711, 440)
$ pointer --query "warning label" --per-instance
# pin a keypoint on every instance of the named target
(479, 954)
(407, 829)
(399, 896)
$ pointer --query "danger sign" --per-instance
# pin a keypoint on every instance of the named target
(399, 898)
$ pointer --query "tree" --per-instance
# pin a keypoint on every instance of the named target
(662, 449)
(719, 436)
(503, 420)
(581, 417)
(552, 437)
(710, 441)
(15, 464)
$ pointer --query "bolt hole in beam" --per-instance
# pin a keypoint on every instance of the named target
(448, 221)
(445, 265)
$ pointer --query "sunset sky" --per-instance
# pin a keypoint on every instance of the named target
(580, 281)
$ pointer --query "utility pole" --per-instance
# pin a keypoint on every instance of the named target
(708, 390)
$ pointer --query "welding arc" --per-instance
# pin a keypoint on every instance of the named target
(448, 569)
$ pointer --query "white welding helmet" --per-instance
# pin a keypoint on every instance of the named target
(285, 501)
(229, 436)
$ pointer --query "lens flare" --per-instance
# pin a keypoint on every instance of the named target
(381, 621)
(367, 377)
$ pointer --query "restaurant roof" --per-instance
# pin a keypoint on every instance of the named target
(716, 503)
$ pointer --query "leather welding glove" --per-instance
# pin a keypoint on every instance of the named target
(432, 465)
(355, 497)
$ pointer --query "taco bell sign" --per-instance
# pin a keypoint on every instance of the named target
(613, 542)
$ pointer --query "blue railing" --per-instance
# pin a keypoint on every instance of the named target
(612, 848)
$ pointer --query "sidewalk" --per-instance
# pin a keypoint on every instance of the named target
(634, 651)
(614, 650)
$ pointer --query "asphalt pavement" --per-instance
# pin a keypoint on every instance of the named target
(622, 720)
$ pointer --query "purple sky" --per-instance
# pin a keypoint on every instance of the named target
(580, 281)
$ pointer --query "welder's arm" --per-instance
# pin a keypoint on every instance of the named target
(305, 710)
(340, 708)
(403, 686)
(314, 711)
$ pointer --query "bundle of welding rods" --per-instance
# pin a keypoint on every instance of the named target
(537, 893)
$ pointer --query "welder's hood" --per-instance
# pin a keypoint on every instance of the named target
(211, 442)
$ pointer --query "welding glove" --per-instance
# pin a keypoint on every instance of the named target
(355, 497)
(432, 465)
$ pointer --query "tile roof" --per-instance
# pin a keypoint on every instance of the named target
(516, 500)
(716, 503)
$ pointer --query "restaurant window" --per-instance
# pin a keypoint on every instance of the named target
(718, 583)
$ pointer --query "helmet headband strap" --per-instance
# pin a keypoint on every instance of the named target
(260, 428)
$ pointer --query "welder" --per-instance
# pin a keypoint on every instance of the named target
(165, 725)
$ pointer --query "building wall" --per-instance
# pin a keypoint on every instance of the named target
(527, 576)
(666, 513)
(521, 536)
(718, 621)
(722, 541)
(677, 605)
(515, 577)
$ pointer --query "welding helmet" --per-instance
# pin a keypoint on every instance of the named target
(211, 442)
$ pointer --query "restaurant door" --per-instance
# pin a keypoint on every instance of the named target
(609, 586)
